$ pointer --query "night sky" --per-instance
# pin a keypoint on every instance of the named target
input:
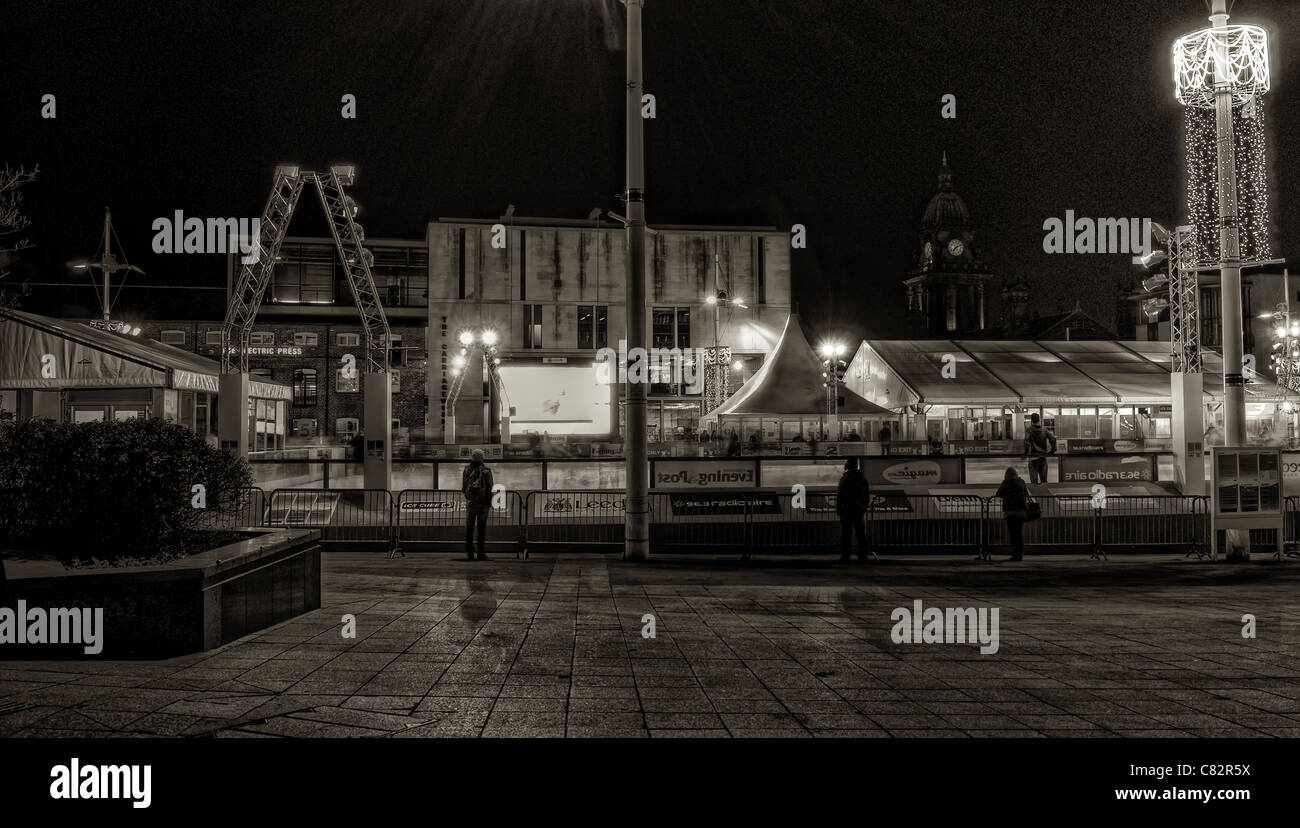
(770, 112)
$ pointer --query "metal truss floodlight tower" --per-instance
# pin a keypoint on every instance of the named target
(256, 275)
(1221, 69)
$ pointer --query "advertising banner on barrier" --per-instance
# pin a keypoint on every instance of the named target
(1106, 469)
(714, 474)
(844, 448)
(439, 504)
(722, 504)
(1076, 445)
(918, 472)
(578, 504)
(966, 503)
(895, 449)
(819, 504)
(890, 500)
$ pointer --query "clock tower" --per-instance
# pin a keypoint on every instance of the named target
(946, 290)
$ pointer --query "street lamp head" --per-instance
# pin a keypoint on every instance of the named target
(466, 337)
(1154, 258)
(1152, 282)
(710, 300)
(489, 336)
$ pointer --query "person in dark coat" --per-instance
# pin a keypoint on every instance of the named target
(1015, 508)
(476, 486)
(359, 447)
(851, 503)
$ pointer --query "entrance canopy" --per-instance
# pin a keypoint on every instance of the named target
(43, 353)
(790, 382)
(991, 372)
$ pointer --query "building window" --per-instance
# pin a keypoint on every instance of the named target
(460, 294)
(261, 338)
(396, 354)
(305, 274)
(304, 386)
(260, 374)
(532, 326)
(593, 326)
(523, 269)
(305, 338)
(349, 340)
(212, 338)
(346, 385)
(395, 381)
(177, 338)
(671, 328)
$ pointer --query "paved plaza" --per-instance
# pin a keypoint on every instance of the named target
(553, 647)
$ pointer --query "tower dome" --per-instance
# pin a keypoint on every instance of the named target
(946, 207)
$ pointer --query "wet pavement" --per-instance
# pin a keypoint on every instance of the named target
(557, 646)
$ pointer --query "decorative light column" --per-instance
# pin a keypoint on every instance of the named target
(1224, 70)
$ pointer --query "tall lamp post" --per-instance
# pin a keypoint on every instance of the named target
(636, 527)
(833, 368)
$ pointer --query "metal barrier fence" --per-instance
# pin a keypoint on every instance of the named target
(436, 518)
(242, 508)
(576, 517)
(804, 522)
(342, 515)
(743, 523)
(692, 521)
(1151, 523)
(944, 522)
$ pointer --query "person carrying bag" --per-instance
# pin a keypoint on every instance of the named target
(1016, 508)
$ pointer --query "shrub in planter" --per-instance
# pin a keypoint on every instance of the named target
(112, 490)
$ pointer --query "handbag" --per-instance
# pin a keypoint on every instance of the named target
(1033, 511)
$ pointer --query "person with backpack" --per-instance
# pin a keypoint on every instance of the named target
(852, 499)
(1039, 442)
(476, 486)
(1015, 508)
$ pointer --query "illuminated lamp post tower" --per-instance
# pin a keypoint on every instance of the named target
(1224, 70)
(1221, 73)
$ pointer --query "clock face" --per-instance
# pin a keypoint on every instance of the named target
(955, 247)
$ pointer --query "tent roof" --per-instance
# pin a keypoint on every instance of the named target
(91, 358)
(1044, 372)
(790, 382)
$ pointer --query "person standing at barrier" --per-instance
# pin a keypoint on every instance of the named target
(1039, 442)
(851, 502)
(476, 486)
(1015, 508)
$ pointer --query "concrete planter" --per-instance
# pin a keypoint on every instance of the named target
(189, 605)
